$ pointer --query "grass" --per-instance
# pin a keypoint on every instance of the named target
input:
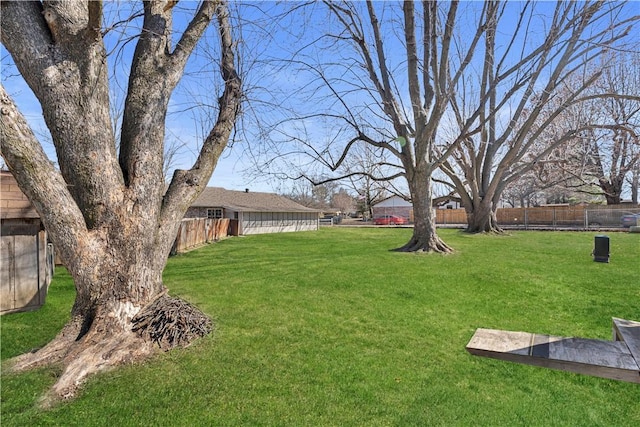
(332, 329)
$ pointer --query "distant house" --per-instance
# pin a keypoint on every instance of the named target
(255, 212)
(398, 206)
(26, 259)
(447, 203)
(393, 205)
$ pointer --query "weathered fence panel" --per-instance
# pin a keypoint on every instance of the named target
(26, 266)
(560, 216)
(579, 216)
(26, 259)
(451, 216)
(194, 232)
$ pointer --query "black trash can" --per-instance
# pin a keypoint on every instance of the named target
(601, 249)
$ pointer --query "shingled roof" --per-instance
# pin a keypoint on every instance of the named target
(243, 201)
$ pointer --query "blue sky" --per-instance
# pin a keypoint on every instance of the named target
(263, 39)
(183, 128)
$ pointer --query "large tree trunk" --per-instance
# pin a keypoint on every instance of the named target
(425, 237)
(107, 326)
(481, 217)
(117, 272)
(612, 190)
(110, 216)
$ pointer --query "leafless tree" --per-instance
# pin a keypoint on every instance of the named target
(317, 196)
(612, 142)
(521, 87)
(107, 209)
(301, 192)
(377, 74)
(360, 171)
(522, 193)
(606, 149)
(422, 81)
(343, 201)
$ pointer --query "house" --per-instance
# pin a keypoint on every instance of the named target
(254, 212)
(447, 203)
(394, 205)
(26, 259)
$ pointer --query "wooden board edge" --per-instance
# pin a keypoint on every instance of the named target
(616, 373)
(629, 332)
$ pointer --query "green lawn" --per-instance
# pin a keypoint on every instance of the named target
(330, 328)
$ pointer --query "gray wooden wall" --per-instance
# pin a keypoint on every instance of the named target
(26, 265)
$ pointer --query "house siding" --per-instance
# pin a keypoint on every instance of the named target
(277, 222)
(256, 213)
(394, 206)
(402, 211)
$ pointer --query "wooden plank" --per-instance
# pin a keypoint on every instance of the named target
(18, 204)
(7, 273)
(13, 195)
(26, 271)
(607, 359)
(540, 346)
(19, 227)
(591, 352)
(629, 332)
(43, 283)
(495, 341)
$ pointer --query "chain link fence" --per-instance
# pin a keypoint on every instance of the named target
(587, 217)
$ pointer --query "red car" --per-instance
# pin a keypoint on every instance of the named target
(389, 220)
(630, 219)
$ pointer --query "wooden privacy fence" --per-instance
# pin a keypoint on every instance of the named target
(544, 215)
(549, 216)
(194, 232)
(449, 216)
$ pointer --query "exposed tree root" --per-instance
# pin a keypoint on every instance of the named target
(165, 323)
(52, 353)
(90, 358)
(434, 244)
(490, 230)
(483, 224)
(78, 359)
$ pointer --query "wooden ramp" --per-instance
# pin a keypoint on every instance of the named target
(618, 359)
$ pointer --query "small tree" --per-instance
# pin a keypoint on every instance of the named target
(107, 209)
(343, 200)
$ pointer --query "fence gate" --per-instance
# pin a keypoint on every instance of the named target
(26, 268)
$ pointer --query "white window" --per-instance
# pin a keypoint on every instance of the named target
(214, 213)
